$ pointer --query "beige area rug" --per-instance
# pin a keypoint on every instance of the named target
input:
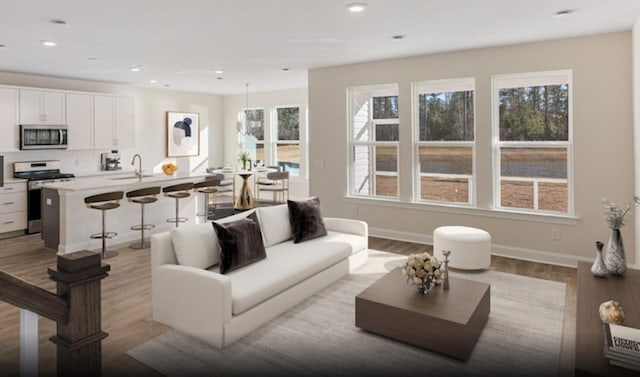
(318, 337)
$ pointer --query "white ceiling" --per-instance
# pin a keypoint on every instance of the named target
(252, 40)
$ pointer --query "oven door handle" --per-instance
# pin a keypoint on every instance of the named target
(60, 133)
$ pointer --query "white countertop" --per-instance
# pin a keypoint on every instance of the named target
(14, 180)
(99, 173)
(99, 183)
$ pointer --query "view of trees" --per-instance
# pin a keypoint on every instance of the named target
(255, 123)
(535, 113)
(446, 116)
(385, 107)
(288, 123)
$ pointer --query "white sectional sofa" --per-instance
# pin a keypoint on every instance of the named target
(222, 308)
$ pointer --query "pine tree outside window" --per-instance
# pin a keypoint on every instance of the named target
(287, 139)
(444, 140)
(253, 140)
(533, 142)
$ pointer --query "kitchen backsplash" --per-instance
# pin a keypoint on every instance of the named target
(75, 162)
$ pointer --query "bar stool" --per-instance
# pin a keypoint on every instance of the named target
(206, 187)
(179, 191)
(143, 196)
(104, 202)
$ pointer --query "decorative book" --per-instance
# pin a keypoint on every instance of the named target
(622, 346)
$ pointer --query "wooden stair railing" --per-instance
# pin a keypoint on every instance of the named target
(76, 308)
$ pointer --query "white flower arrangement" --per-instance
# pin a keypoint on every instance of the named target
(423, 271)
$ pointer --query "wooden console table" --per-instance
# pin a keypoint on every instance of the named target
(591, 292)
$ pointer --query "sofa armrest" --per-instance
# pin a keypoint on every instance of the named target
(357, 227)
(192, 300)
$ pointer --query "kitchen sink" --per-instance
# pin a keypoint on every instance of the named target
(131, 177)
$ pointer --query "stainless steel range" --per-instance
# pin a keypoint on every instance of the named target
(37, 173)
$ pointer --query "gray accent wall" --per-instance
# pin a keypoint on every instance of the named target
(603, 144)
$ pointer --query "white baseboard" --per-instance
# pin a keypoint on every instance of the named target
(531, 255)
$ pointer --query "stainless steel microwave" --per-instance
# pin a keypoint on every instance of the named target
(38, 136)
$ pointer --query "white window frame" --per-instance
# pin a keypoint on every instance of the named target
(439, 86)
(524, 80)
(385, 90)
(275, 141)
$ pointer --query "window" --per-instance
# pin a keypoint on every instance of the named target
(373, 141)
(444, 141)
(254, 137)
(532, 128)
(287, 140)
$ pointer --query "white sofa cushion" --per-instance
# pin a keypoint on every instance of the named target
(196, 245)
(286, 265)
(274, 221)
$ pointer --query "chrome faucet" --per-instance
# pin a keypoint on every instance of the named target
(139, 170)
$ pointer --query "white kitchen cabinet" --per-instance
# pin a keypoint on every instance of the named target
(9, 121)
(79, 113)
(124, 122)
(104, 121)
(42, 107)
(113, 122)
(13, 207)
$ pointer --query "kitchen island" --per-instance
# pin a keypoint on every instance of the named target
(68, 223)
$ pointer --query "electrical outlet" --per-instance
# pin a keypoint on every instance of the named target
(354, 211)
(555, 234)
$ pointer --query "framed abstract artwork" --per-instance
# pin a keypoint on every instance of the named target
(183, 134)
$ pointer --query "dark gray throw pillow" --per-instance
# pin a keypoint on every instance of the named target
(306, 219)
(240, 243)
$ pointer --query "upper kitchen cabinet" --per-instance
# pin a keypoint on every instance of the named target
(42, 107)
(113, 122)
(79, 109)
(9, 108)
(124, 122)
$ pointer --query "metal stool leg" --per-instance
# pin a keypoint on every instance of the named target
(142, 244)
(106, 253)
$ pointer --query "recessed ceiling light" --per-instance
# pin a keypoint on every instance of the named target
(3, 46)
(220, 78)
(48, 43)
(285, 69)
(177, 72)
(563, 13)
(93, 59)
(218, 71)
(152, 81)
(167, 85)
(61, 23)
(356, 7)
(134, 69)
(397, 37)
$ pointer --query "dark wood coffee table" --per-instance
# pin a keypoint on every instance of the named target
(444, 321)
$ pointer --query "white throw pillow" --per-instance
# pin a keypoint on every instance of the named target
(274, 221)
(196, 245)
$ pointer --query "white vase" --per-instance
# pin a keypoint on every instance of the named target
(598, 268)
(615, 260)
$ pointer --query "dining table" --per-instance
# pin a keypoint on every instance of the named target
(244, 200)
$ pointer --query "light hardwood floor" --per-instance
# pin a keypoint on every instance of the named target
(126, 306)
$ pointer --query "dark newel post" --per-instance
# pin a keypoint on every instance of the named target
(79, 340)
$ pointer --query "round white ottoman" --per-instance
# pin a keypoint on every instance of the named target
(470, 247)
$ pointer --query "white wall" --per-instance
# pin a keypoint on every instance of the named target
(151, 106)
(603, 143)
(233, 106)
(636, 125)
